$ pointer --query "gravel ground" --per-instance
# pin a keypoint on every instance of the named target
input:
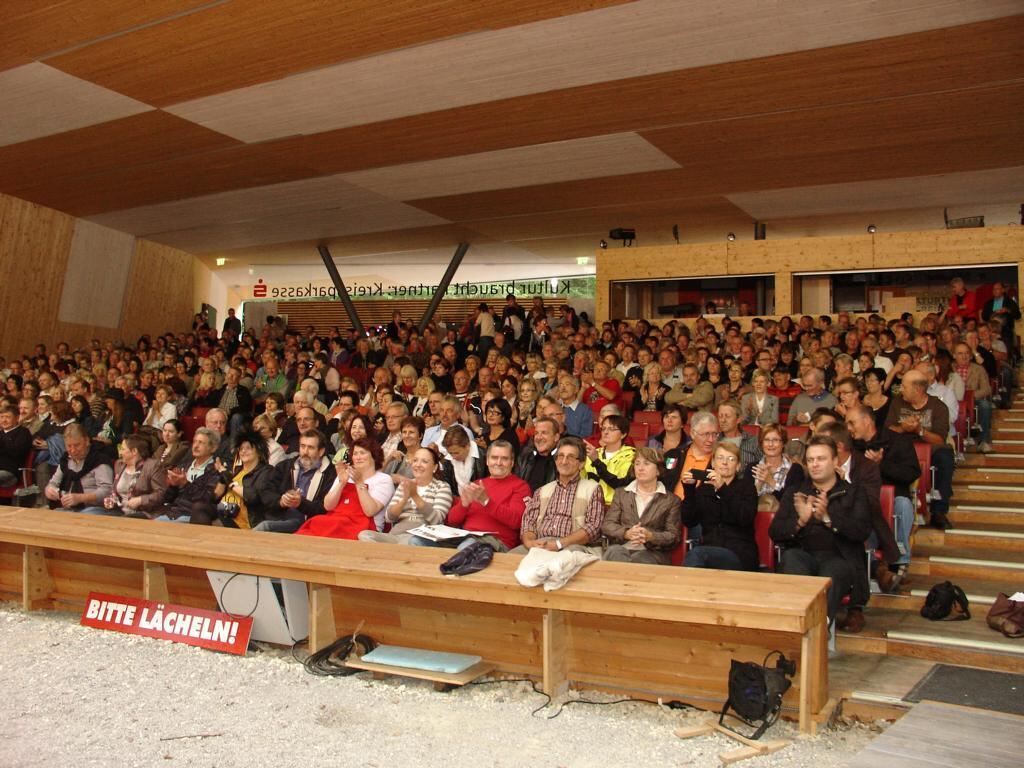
(85, 697)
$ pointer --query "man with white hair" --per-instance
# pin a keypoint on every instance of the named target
(813, 397)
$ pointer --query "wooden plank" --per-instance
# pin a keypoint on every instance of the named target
(322, 629)
(36, 582)
(479, 669)
(154, 582)
(814, 667)
(556, 646)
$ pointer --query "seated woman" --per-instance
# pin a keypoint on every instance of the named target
(759, 406)
(776, 471)
(671, 442)
(266, 429)
(174, 449)
(397, 463)
(423, 499)
(724, 506)
(248, 488)
(498, 425)
(139, 484)
(612, 463)
(643, 522)
(360, 494)
(651, 396)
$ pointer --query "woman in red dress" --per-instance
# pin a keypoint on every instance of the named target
(360, 493)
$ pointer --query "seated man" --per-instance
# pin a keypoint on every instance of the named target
(233, 399)
(217, 421)
(197, 482)
(579, 418)
(303, 421)
(730, 431)
(84, 477)
(691, 392)
(303, 483)
(823, 523)
(495, 503)
(566, 513)
(898, 466)
(813, 397)
(449, 414)
(536, 464)
(15, 444)
(925, 418)
(976, 380)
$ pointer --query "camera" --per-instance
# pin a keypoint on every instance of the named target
(699, 474)
(227, 510)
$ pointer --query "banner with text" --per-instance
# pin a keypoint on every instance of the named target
(179, 623)
(554, 288)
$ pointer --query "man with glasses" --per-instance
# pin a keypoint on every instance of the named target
(692, 393)
(566, 513)
(704, 433)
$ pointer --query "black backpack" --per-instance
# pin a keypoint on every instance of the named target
(940, 601)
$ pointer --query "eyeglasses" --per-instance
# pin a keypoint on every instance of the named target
(567, 457)
(705, 435)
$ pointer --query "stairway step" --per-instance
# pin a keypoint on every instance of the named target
(895, 632)
(964, 514)
(1005, 460)
(978, 493)
(933, 541)
(953, 568)
(1000, 476)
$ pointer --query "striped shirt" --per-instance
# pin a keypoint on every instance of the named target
(557, 522)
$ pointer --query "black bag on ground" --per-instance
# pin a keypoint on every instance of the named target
(941, 601)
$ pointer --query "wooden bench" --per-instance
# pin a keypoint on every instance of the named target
(649, 631)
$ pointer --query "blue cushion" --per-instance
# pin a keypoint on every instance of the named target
(416, 658)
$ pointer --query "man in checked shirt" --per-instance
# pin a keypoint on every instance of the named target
(566, 513)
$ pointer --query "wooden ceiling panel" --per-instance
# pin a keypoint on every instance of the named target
(237, 44)
(595, 222)
(968, 122)
(33, 29)
(947, 190)
(131, 142)
(37, 100)
(516, 167)
(650, 36)
(927, 62)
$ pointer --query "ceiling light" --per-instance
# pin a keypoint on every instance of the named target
(221, 261)
(872, 229)
(731, 236)
(603, 244)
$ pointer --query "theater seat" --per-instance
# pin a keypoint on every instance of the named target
(765, 545)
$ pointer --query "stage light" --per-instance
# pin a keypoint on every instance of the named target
(603, 244)
(626, 234)
(731, 236)
(872, 229)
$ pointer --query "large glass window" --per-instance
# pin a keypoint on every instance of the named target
(690, 297)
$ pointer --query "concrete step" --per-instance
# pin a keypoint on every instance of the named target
(970, 542)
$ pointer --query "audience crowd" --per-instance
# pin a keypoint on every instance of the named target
(658, 444)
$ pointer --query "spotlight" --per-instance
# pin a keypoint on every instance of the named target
(731, 236)
(626, 234)
(760, 231)
(872, 229)
(603, 244)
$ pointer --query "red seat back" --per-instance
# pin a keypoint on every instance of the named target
(651, 418)
(924, 484)
(679, 553)
(638, 433)
(752, 429)
(888, 502)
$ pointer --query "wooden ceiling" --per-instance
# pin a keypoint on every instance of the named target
(253, 128)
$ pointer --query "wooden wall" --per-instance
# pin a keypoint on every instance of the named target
(933, 248)
(35, 245)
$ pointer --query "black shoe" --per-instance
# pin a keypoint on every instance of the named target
(940, 521)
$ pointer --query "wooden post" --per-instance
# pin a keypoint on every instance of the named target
(36, 583)
(322, 630)
(154, 582)
(556, 654)
(814, 665)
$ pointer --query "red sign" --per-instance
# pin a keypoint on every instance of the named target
(259, 290)
(192, 626)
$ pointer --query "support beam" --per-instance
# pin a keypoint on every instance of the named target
(449, 273)
(555, 651)
(322, 629)
(36, 583)
(339, 286)
(154, 582)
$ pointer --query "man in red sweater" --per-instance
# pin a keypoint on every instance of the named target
(495, 503)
